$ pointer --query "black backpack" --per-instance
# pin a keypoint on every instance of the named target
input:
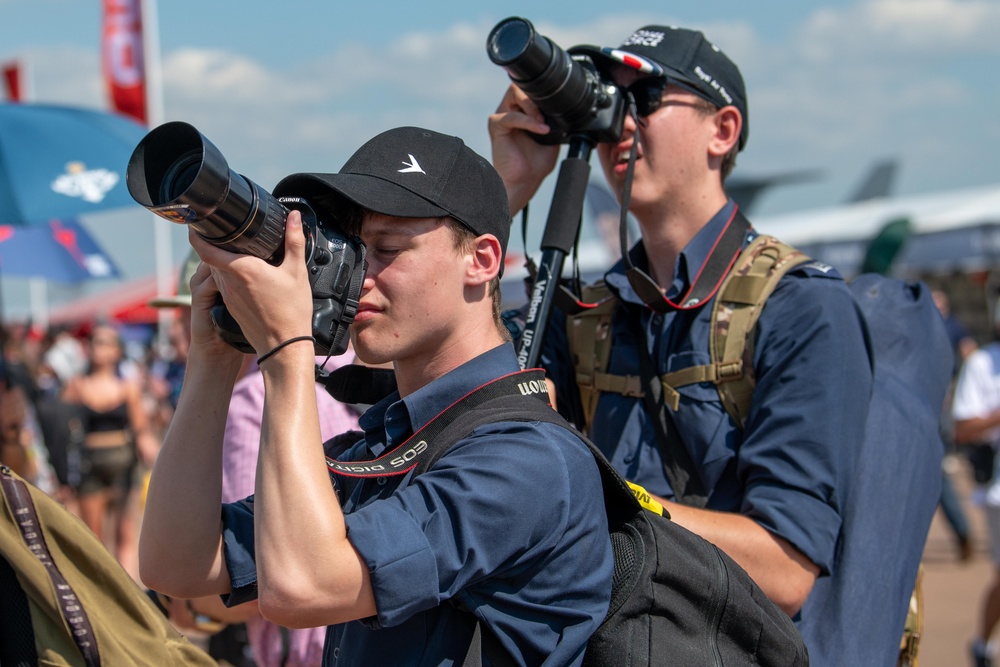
(676, 598)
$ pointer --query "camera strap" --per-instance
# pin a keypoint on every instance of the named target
(710, 276)
(429, 443)
(713, 271)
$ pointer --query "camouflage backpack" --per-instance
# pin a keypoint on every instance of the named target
(902, 438)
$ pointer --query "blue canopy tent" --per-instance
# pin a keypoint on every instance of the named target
(58, 163)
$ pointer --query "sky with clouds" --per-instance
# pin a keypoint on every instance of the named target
(297, 86)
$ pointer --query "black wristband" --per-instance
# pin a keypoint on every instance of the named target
(267, 355)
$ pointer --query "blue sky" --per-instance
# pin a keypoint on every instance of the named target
(297, 86)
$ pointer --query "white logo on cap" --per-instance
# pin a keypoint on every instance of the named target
(412, 167)
(716, 86)
(651, 38)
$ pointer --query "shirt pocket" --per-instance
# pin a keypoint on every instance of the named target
(704, 425)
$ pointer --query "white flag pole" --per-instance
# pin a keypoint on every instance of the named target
(38, 288)
(154, 117)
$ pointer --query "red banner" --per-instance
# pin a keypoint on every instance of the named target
(122, 57)
(12, 79)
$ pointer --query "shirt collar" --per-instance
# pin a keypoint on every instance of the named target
(392, 419)
(689, 261)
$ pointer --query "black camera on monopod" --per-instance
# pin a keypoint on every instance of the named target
(568, 88)
(181, 176)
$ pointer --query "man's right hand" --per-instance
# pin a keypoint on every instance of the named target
(522, 162)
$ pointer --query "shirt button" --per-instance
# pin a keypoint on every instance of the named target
(381, 481)
(336, 653)
(658, 320)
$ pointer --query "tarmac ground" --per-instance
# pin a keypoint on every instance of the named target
(952, 589)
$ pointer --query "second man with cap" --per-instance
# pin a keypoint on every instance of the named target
(772, 489)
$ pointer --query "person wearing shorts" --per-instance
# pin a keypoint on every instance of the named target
(976, 413)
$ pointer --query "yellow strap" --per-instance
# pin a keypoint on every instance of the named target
(645, 499)
(909, 646)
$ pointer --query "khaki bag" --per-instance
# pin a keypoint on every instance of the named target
(66, 600)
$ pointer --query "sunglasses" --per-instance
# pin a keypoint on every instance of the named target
(648, 94)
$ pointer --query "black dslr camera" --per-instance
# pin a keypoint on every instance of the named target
(178, 174)
(568, 89)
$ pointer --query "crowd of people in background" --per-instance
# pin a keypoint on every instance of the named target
(83, 410)
(85, 416)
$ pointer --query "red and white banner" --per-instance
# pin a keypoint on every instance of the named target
(122, 57)
(13, 81)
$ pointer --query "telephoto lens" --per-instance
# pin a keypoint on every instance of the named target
(181, 176)
(572, 96)
(557, 84)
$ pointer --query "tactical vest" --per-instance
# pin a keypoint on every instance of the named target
(737, 306)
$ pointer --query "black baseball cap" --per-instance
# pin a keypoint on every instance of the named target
(410, 172)
(682, 55)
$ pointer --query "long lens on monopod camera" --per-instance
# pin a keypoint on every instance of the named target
(561, 87)
(181, 176)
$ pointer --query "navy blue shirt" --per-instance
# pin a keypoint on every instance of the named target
(509, 524)
(791, 469)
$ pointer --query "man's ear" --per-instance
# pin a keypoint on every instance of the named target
(486, 259)
(728, 125)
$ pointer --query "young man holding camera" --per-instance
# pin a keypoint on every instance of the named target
(481, 535)
(776, 488)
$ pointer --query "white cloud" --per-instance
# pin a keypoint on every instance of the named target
(65, 75)
(916, 28)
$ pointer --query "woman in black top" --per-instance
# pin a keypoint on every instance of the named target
(116, 435)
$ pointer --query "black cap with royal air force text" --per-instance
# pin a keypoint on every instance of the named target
(682, 54)
(410, 172)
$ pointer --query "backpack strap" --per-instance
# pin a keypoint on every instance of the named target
(622, 499)
(737, 308)
(73, 614)
(589, 335)
(741, 298)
